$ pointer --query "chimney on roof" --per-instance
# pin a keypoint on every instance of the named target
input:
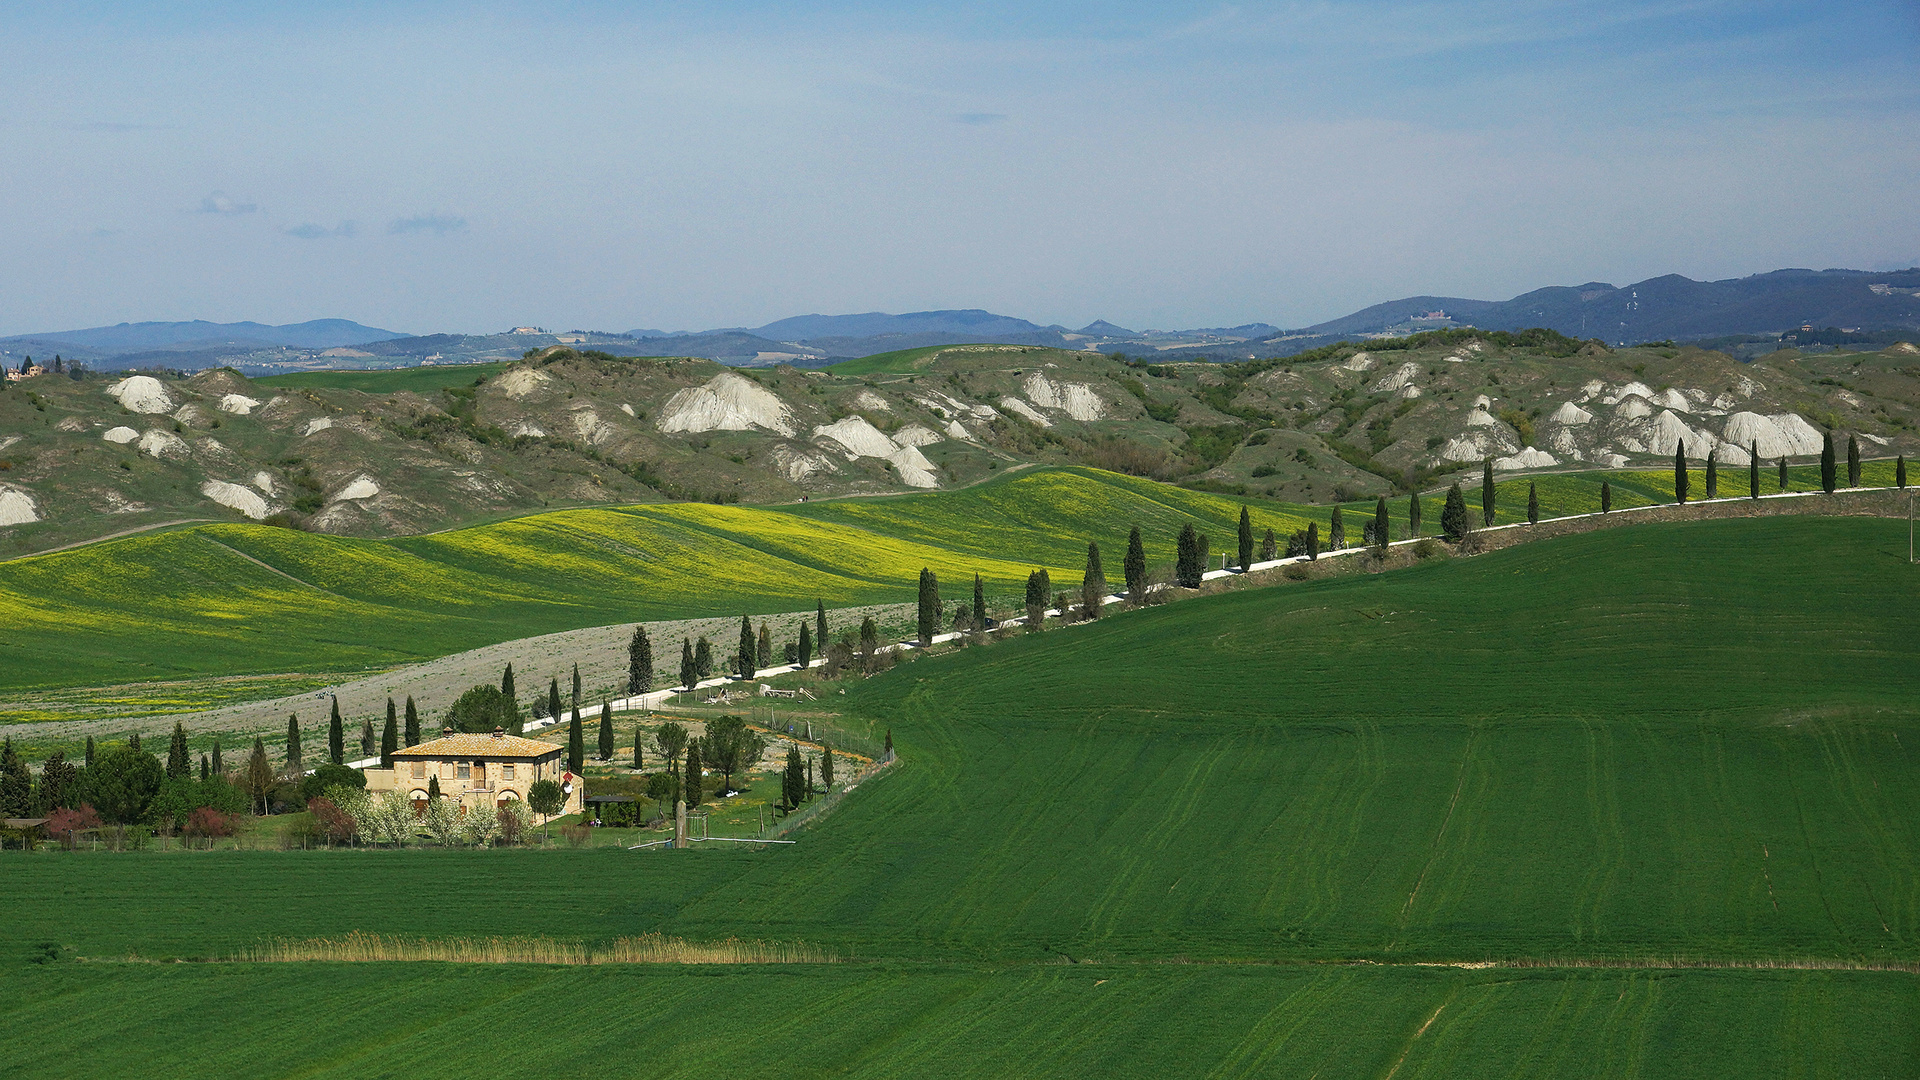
(499, 733)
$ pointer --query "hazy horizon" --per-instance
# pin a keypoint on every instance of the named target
(427, 167)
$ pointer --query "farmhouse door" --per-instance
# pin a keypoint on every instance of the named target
(479, 772)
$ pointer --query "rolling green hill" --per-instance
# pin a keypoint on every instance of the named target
(1222, 833)
(420, 380)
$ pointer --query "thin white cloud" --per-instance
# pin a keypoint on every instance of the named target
(438, 224)
(220, 203)
(310, 231)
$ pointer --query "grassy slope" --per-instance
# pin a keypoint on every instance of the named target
(1359, 767)
(888, 363)
(420, 380)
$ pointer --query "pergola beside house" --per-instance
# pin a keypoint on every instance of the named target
(478, 770)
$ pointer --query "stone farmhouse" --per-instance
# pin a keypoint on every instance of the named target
(478, 770)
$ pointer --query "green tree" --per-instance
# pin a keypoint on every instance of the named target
(89, 758)
(1270, 546)
(219, 767)
(1680, 473)
(389, 738)
(765, 646)
(1753, 471)
(1134, 566)
(1783, 472)
(546, 798)
(689, 674)
(576, 686)
(806, 645)
(179, 761)
(826, 767)
(1190, 565)
(553, 700)
(639, 734)
(606, 731)
(366, 736)
(820, 625)
(1900, 471)
(1533, 504)
(576, 746)
(506, 684)
(1037, 589)
(792, 781)
(480, 710)
(929, 621)
(703, 657)
(1093, 584)
(1246, 540)
(869, 638)
(695, 794)
(206, 768)
(16, 783)
(1336, 532)
(336, 737)
(59, 781)
(1828, 481)
(1606, 496)
(671, 738)
(732, 747)
(1313, 540)
(639, 662)
(1413, 515)
(122, 781)
(294, 769)
(1487, 494)
(258, 778)
(979, 605)
(1381, 525)
(1713, 473)
(1853, 462)
(1453, 516)
(413, 723)
(745, 662)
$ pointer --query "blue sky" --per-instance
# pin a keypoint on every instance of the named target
(467, 167)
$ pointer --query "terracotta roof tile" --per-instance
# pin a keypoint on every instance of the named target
(488, 745)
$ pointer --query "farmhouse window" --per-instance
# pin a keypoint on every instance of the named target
(463, 771)
(506, 772)
(419, 770)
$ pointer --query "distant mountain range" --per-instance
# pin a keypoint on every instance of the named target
(1662, 308)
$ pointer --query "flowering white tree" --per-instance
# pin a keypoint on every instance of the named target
(389, 818)
(445, 822)
(482, 827)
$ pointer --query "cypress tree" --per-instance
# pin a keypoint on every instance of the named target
(703, 657)
(553, 700)
(1713, 473)
(1336, 532)
(389, 738)
(433, 788)
(576, 686)
(366, 736)
(806, 646)
(791, 779)
(1533, 503)
(1606, 496)
(889, 750)
(1313, 540)
(1783, 472)
(694, 795)
(869, 636)
(1900, 471)
(133, 741)
(576, 746)
(1188, 566)
(206, 769)
(1246, 540)
(979, 605)
(606, 731)
(1680, 473)
(1486, 492)
(216, 748)
(1036, 601)
(639, 735)
(765, 646)
(688, 673)
(929, 620)
(1453, 516)
(1828, 480)
(1413, 515)
(1853, 462)
(820, 627)
(506, 684)
(1270, 547)
(1093, 585)
(413, 723)
(746, 659)
(293, 745)
(336, 738)
(639, 662)
(1753, 471)
(179, 761)
(1135, 566)
(826, 767)
(219, 767)
(1381, 525)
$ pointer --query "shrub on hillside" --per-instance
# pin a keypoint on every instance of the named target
(482, 709)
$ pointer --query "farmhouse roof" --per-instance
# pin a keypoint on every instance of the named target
(496, 745)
